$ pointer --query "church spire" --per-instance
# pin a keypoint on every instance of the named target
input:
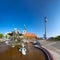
(24, 27)
(24, 30)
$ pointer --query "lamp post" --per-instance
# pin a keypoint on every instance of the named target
(45, 20)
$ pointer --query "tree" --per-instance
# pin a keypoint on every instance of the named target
(1, 35)
(57, 38)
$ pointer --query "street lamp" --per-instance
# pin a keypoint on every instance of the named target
(45, 20)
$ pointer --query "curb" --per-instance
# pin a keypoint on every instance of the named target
(48, 55)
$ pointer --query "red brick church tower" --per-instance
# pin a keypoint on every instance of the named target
(28, 35)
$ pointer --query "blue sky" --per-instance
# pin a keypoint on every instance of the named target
(16, 13)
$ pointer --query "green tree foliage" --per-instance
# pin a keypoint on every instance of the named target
(1, 35)
(55, 38)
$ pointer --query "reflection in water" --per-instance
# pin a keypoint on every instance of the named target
(14, 54)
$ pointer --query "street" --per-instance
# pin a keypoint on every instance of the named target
(53, 47)
(51, 44)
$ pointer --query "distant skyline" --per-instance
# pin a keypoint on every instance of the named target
(16, 13)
